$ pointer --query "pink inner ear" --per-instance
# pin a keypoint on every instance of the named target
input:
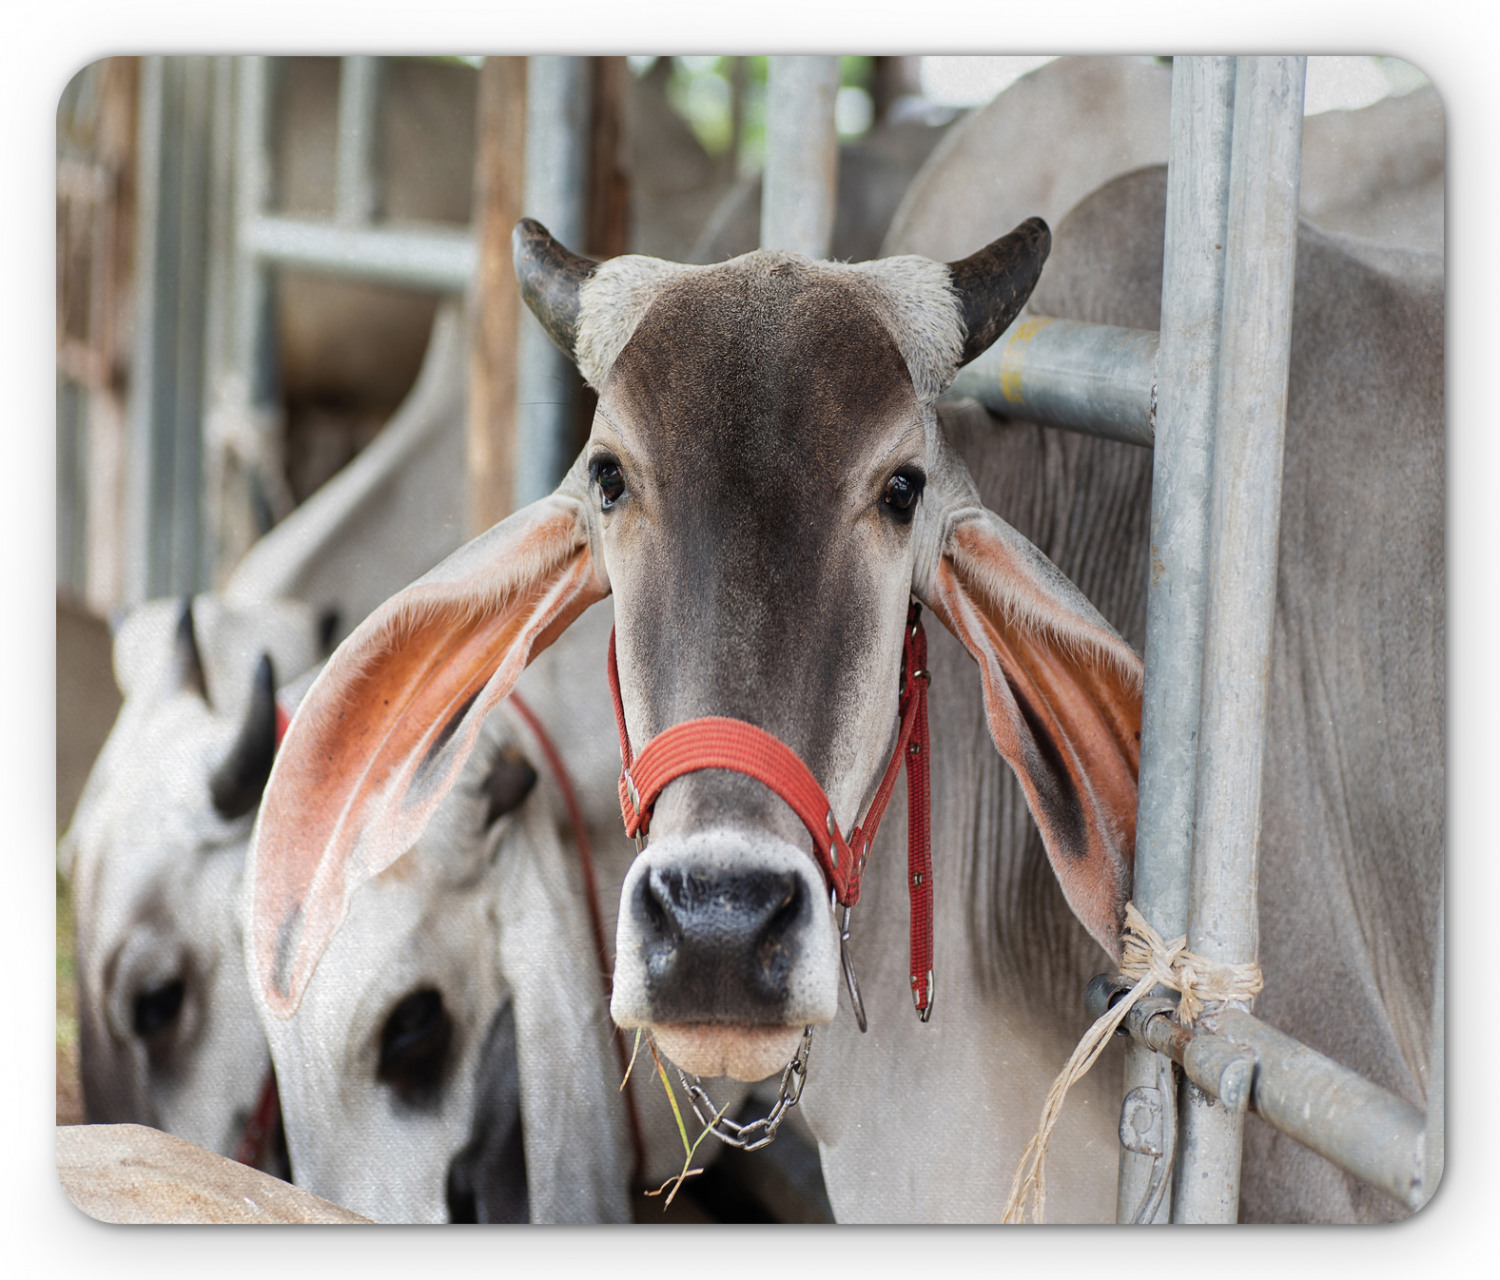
(1062, 696)
(383, 733)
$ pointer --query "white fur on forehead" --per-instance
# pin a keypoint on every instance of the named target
(912, 296)
(611, 304)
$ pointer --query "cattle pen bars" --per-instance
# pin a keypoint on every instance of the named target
(1209, 393)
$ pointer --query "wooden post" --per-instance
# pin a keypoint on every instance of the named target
(496, 301)
(609, 184)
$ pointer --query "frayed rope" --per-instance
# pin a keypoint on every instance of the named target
(1147, 960)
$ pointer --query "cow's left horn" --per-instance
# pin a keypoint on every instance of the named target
(550, 277)
(993, 284)
(239, 782)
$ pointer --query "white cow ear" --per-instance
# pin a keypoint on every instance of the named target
(383, 732)
(1062, 693)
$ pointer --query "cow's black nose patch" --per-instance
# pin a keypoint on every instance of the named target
(719, 946)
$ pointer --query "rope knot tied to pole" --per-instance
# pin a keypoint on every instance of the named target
(1147, 960)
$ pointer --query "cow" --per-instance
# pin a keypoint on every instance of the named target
(155, 850)
(769, 483)
(452, 1058)
(817, 622)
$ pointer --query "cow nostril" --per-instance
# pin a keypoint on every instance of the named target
(771, 945)
(666, 902)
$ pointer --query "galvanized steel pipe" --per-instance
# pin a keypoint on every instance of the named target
(1245, 514)
(438, 258)
(1362, 1128)
(799, 193)
(1186, 389)
(1095, 378)
(555, 192)
(357, 189)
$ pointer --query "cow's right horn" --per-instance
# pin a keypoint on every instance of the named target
(239, 782)
(550, 277)
(187, 661)
(993, 284)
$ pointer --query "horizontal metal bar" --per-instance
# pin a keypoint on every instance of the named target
(1363, 1129)
(1095, 378)
(436, 258)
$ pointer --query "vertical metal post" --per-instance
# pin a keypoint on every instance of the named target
(1245, 511)
(187, 571)
(800, 190)
(254, 327)
(358, 189)
(145, 373)
(556, 191)
(165, 415)
(1187, 382)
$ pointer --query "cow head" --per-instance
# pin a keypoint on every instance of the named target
(764, 490)
(409, 1011)
(168, 1034)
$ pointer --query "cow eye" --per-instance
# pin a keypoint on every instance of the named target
(901, 493)
(607, 475)
(156, 1010)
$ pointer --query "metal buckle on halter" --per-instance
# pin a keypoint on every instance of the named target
(635, 803)
(850, 981)
(923, 1014)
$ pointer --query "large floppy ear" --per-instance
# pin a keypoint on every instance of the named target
(1062, 693)
(383, 732)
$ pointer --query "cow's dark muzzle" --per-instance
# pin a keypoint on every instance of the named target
(719, 946)
(726, 950)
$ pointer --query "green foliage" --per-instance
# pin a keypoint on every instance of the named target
(703, 89)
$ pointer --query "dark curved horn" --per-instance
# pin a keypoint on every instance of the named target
(239, 782)
(550, 276)
(189, 662)
(993, 284)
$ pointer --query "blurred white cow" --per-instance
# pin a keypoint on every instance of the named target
(155, 851)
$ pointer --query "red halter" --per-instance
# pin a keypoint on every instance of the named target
(716, 742)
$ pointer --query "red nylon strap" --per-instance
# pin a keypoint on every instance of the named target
(717, 742)
(260, 1128)
(596, 920)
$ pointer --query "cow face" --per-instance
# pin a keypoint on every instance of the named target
(408, 1013)
(764, 490)
(168, 1033)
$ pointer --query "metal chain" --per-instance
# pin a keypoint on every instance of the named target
(758, 1133)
